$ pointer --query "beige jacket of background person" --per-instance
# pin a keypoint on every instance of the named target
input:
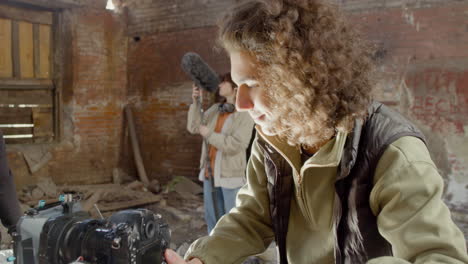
(232, 142)
(406, 198)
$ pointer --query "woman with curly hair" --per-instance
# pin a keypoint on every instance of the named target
(334, 177)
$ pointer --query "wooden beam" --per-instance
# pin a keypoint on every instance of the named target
(6, 65)
(135, 145)
(107, 207)
(44, 49)
(26, 49)
(15, 116)
(17, 131)
(45, 4)
(26, 14)
(34, 98)
(12, 84)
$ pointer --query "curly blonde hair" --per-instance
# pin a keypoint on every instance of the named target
(313, 64)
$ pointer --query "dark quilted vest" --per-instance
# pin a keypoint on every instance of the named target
(358, 238)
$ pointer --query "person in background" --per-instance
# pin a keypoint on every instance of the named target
(227, 133)
(10, 210)
(334, 176)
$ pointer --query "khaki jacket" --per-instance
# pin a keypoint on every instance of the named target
(406, 198)
(231, 143)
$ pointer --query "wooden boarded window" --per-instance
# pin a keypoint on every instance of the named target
(27, 93)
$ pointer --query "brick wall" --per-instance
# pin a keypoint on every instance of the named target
(156, 16)
(99, 83)
(94, 67)
(162, 95)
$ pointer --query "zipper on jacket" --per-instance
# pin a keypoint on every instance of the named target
(297, 182)
(303, 201)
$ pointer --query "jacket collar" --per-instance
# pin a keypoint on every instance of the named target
(329, 155)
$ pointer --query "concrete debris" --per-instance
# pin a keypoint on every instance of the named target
(136, 185)
(121, 177)
(47, 185)
(108, 197)
(197, 223)
(184, 186)
(179, 214)
(36, 158)
(200, 209)
(37, 193)
(163, 203)
(94, 199)
(154, 186)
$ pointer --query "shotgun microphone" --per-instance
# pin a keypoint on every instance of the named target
(200, 72)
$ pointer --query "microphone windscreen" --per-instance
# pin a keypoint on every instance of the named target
(200, 72)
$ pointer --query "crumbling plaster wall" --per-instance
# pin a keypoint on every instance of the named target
(423, 50)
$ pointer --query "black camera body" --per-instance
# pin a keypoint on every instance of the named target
(62, 234)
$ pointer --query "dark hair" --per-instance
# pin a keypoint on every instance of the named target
(226, 77)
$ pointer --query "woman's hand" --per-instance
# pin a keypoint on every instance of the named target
(204, 130)
(174, 258)
(196, 92)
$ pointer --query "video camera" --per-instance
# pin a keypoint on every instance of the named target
(60, 233)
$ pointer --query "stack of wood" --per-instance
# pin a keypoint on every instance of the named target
(107, 197)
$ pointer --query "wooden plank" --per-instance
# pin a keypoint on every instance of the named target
(10, 141)
(47, 4)
(6, 64)
(135, 145)
(15, 49)
(26, 49)
(106, 207)
(26, 14)
(31, 84)
(35, 97)
(45, 35)
(43, 122)
(15, 115)
(17, 131)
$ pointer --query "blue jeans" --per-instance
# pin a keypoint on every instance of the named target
(225, 200)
